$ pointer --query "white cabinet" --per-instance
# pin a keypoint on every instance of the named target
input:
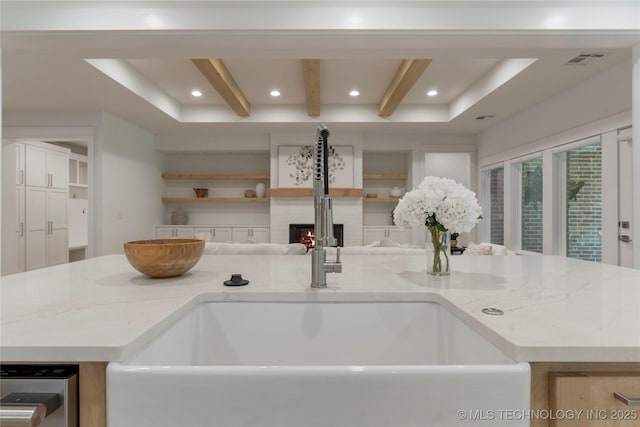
(175, 232)
(46, 227)
(218, 234)
(253, 234)
(47, 167)
(39, 224)
(214, 234)
(394, 233)
(13, 177)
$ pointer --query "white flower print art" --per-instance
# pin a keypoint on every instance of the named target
(295, 166)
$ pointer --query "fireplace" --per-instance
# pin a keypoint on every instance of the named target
(303, 233)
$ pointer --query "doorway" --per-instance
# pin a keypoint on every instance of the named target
(78, 240)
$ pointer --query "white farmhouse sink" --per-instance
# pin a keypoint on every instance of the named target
(318, 364)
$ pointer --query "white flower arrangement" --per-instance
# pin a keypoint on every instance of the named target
(441, 203)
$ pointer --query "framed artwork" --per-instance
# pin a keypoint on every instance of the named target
(295, 166)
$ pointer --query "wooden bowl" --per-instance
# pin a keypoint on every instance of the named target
(164, 257)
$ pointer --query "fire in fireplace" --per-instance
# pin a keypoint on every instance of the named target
(303, 233)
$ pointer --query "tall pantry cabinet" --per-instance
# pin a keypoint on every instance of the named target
(40, 222)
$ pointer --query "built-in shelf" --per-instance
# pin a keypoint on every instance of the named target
(78, 185)
(381, 199)
(209, 176)
(385, 176)
(309, 192)
(217, 199)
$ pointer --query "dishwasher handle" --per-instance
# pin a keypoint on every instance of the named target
(27, 409)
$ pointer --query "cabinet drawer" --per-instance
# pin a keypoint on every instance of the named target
(588, 397)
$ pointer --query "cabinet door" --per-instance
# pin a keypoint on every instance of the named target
(20, 163)
(372, 234)
(260, 235)
(241, 234)
(36, 228)
(185, 232)
(58, 169)
(165, 232)
(20, 226)
(221, 234)
(57, 238)
(593, 394)
(399, 235)
(36, 166)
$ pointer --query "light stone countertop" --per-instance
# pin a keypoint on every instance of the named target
(101, 309)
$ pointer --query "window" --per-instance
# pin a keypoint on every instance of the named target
(529, 206)
(582, 202)
(493, 205)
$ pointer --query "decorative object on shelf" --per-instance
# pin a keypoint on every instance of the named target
(371, 195)
(260, 189)
(249, 194)
(443, 206)
(454, 240)
(164, 257)
(201, 192)
(396, 192)
(179, 217)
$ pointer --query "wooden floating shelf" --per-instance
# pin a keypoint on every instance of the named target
(385, 176)
(208, 176)
(309, 192)
(381, 199)
(217, 199)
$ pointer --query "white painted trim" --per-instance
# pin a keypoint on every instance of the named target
(610, 198)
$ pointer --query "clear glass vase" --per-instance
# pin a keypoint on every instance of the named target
(438, 258)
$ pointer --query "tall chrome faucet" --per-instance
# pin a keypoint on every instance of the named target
(323, 227)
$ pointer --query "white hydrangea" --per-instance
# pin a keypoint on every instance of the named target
(452, 205)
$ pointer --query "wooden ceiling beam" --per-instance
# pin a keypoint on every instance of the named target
(406, 76)
(311, 72)
(222, 81)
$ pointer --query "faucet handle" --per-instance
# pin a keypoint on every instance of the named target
(337, 254)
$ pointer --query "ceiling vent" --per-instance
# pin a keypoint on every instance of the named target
(584, 58)
(484, 117)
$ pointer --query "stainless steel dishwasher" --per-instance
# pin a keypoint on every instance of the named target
(38, 395)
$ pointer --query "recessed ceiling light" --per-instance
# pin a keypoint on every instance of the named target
(432, 92)
(354, 93)
(275, 93)
(196, 93)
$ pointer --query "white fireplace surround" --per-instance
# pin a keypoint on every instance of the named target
(299, 210)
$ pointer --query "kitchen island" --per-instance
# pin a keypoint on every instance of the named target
(559, 314)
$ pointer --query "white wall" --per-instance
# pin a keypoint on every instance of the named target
(593, 107)
(129, 182)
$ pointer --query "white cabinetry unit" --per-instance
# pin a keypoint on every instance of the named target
(47, 167)
(174, 232)
(13, 256)
(46, 205)
(252, 234)
(377, 233)
(214, 234)
(46, 227)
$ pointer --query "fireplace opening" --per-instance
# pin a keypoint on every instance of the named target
(303, 233)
